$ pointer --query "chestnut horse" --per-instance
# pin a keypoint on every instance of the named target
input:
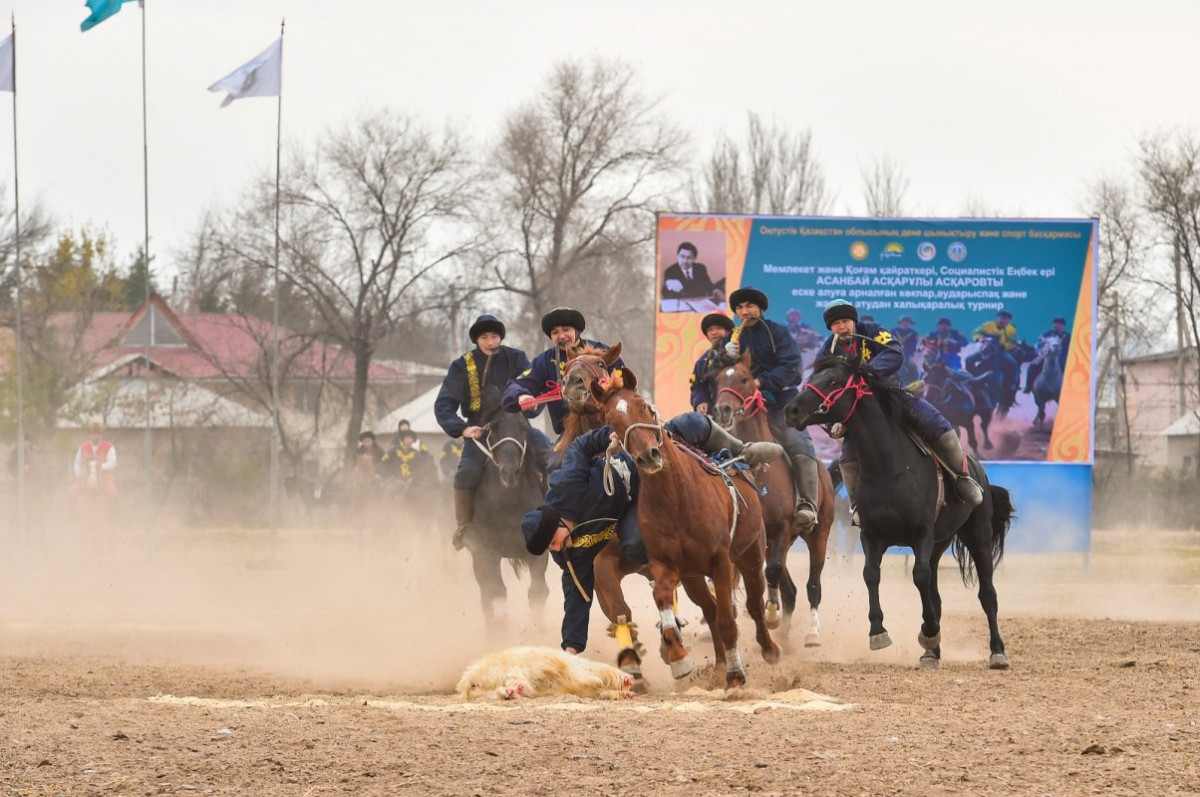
(741, 409)
(589, 365)
(694, 523)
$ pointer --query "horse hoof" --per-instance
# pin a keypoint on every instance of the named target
(682, 668)
(881, 641)
(632, 670)
(664, 652)
(812, 640)
(772, 615)
(929, 661)
(998, 661)
(929, 643)
(734, 680)
(772, 654)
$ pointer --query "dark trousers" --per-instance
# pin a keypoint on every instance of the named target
(576, 610)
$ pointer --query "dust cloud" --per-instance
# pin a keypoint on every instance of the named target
(391, 608)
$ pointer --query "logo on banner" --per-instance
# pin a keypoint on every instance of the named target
(957, 251)
(926, 251)
(891, 250)
(859, 250)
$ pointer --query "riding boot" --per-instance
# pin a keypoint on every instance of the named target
(804, 473)
(850, 479)
(757, 453)
(464, 514)
(950, 450)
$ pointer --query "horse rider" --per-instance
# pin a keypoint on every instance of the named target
(875, 348)
(580, 515)
(1005, 334)
(563, 325)
(409, 462)
(1058, 329)
(459, 405)
(95, 465)
(776, 364)
(714, 326)
(949, 343)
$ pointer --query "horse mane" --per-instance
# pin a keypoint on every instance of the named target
(724, 360)
(889, 394)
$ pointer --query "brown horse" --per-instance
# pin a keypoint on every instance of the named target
(740, 408)
(695, 524)
(588, 366)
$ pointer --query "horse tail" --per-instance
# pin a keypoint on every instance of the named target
(1003, 512)
(520, 566)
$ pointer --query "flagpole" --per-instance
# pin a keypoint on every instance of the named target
(21, 507)
(146, 258)
(276, 436)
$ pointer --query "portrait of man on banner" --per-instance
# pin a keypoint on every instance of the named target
(692, 271)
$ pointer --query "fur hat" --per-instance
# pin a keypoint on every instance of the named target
(563, 317)
(1059, 320)
(715, 320)
(538, 527)
(907, 318)
(486, 323)
(943, 320)
(837, 310)
(748, 294)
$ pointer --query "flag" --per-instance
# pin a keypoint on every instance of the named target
(261, 76)
(8, 69)
(101, 10)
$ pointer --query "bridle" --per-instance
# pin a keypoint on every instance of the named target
(598, 372)
(490, 447)
(755, 402)
(854, 382)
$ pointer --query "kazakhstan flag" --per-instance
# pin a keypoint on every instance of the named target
(101, 10)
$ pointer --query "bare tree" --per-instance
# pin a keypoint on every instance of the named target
(372, 214)
(884, 188)
(774, 172)
(578, 171)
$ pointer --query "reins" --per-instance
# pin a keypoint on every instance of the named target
(755, 402)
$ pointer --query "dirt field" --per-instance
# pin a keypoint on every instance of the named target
(163, 662)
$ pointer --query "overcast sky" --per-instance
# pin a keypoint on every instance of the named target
(1011, 106)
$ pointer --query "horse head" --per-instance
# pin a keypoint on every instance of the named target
(830, 394)
(737, 391)
(507, 437)
(586, 366)
(632, 418)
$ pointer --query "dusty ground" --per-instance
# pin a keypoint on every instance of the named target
(158, 662)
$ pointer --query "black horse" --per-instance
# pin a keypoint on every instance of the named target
(511, 486)
(960, 400)
(903, 499)
(998, 373)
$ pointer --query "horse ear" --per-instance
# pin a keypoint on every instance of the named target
(629, 378)
(746, 358)
(613, 354)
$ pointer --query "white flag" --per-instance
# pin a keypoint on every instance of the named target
(261, 76)
(8, 78)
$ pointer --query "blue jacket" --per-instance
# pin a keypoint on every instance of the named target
(774, 359)
(880, 352)
(461, 394)
(577, 486)
(543, 373)
(704, 390)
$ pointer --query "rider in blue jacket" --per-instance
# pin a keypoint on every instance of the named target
(459, 405)
(579, 517)
(714, 326)
(563, 325)
(775, 363)
(874, 347)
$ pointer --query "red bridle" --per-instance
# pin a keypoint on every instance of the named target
(853, 382)
(755, 402)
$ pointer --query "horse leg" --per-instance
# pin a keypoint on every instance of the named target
(750, 566)
(873, 553)
(726, 631)
(777, 550)
(666, 579)
(818, 545)
(922, 576)
(697, 589)
(985, 572)
(933, 655)
(985, 419)
(492, 593)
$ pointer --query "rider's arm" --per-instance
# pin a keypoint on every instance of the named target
(110, 461)
(886, 354)
(701, 392)
(531, 382)
(445, 406)
(787, 369)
